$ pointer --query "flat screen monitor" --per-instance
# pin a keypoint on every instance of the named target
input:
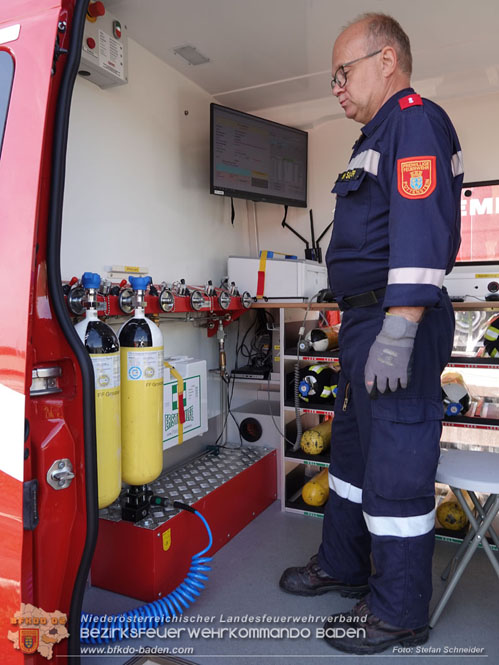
(253, 158)
(479, 223)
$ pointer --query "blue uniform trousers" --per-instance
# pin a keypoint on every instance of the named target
(384, 454)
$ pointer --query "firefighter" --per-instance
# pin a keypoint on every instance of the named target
(396, 234)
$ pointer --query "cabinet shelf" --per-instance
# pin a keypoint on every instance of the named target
(472, 423)
(465, 362)
(303, 458)
(299, 506)
(325, 356)
(320, 410)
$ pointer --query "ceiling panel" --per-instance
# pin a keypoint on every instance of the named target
(268, 53)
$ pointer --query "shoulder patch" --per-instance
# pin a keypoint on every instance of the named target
(410, 100)
(417, 176)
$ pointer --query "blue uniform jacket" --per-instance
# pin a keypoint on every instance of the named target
(397, 217)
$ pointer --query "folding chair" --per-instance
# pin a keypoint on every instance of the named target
(474, 472)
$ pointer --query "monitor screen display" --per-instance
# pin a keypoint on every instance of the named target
(479, 223)
(253, 158)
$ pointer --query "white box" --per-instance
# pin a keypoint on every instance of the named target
(193, 373)
(473, 282)
(284, 278)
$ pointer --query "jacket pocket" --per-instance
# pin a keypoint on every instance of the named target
(351, 213)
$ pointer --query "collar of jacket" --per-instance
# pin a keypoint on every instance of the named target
(384, 111)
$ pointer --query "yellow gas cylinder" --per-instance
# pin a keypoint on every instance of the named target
(103, 348)
(141, 344)
(450, 513)
(316, 440)
(316, 491)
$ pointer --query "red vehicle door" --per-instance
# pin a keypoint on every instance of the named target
(46, 396)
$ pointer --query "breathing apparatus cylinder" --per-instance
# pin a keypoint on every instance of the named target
(102, 345)
(318, 383)
(141, 343)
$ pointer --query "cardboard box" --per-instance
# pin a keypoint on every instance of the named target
(193, 409)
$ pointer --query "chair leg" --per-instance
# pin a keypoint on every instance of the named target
(478, 536)
(482, 511)
(492, 504)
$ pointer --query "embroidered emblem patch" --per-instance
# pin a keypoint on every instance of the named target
(417, 176)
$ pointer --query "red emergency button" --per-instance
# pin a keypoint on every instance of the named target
(96, 9)
(91, 42)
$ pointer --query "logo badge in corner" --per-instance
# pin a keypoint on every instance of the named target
(29, 639)
(34, 630)
(417, 176)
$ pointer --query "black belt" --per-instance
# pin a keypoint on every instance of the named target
(362, 299)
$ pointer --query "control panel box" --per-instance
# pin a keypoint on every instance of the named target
(104, 54)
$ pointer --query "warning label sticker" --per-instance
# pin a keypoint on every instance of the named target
(145, 364)
(111, 55)
(106, 370)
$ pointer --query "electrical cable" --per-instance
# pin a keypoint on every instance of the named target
(159, 611)
(292, 443)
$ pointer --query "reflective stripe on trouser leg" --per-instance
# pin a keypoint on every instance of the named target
(346, 544)
(400, 588)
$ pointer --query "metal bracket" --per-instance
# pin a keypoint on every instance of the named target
(60, 474)
(44, 381)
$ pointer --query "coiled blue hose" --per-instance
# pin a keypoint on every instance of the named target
(111, 628)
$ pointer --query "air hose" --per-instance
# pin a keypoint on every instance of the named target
(153, 614)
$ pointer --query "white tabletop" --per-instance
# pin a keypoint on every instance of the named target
(469, 470)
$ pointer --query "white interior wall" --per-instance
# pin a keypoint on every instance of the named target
(330, 146)
(137, 190)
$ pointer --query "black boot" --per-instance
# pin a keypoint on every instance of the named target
(360, 631)
(311, 580)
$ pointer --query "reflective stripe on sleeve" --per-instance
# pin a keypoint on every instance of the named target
(345, 490)
(416, 276)
(457, 164)
(367, 160)
(402, 527)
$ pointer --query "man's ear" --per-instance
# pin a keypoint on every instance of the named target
(389, 60)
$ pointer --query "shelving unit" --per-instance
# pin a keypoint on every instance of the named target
(461, 431)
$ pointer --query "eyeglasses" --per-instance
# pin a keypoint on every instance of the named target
(340, 75)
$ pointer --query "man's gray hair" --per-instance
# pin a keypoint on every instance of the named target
(383, 30)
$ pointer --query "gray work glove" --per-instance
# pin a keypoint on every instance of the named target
(389, 362)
